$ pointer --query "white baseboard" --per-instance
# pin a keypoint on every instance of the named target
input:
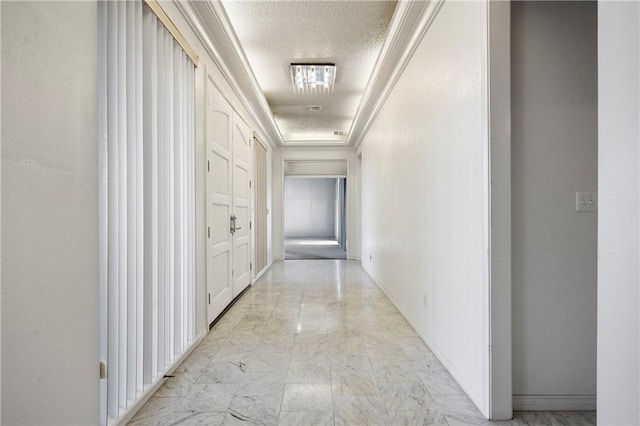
(554, 402)
(261, 273)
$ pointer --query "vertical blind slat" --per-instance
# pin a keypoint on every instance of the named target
(139, 380)
(112, 194)
(103, 195)
(122, 203)
(131, 195)
(147, 201)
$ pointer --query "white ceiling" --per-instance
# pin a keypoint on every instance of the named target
(274, 34)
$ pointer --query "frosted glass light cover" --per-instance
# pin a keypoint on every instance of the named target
(313, 78)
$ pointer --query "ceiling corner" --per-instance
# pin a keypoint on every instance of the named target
(209, 21)
(409, 24)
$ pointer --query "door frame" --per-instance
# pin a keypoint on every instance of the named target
(498, 401)
(348, 207)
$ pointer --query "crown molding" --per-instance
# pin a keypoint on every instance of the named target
(211, 24)
(409, 24)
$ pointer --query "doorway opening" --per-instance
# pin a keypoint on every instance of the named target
(315, 217)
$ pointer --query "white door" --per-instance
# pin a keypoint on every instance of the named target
(218, 131)
(241, 209)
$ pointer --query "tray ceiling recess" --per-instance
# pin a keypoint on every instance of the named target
(256, 44)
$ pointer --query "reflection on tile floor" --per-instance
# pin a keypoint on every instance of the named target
(317, 343)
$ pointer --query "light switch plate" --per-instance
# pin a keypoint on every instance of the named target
(586, 201)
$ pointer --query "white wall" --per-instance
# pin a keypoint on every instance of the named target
(554, 154)
(619, 216)
(303, 154)
(49, 213)
(309, 207)
(423, 212)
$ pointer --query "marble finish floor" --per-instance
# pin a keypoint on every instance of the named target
(318, 343)
(313, 249)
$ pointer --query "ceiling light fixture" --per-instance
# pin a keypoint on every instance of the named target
(313, 78)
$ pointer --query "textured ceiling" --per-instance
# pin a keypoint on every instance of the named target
(274, 34)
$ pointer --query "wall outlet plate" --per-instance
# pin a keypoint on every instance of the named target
(586, 201)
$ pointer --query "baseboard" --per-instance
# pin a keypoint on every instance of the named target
(554, 402)
(153, 387)
(261, 273)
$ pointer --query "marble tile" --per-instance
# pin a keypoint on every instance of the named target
(186, 418)
(417, 418)
(312, 326)
(242, 341)
(425, 361)
(358, 362)
(309, 372)
(413, 345)
(383, 352)
(394, 371)
(458, 406)
(235, 353)
(359, 410)
(307, 397)
(306, 418)
(440, 382)
(247, 410)
(404, 396)
(223, 372)
(311, 338)
(195, 419)
(262, 383)
(531, 418)
(573, 418)
(353, 383)
(193, 364)
(270, 361)
(178, 385)
(157, 411)
(208, 397)
(348, 344)
(373, 339)
(462, 420)
(402, 328)
(313, 352)
(554, 418)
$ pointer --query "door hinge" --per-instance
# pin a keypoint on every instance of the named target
(250, 266)
(209, 298)
(208, 232)
(232, 274)
(250, 225)
(103, 370)
(249, 184)
(208, 165)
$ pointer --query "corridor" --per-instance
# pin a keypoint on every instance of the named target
(318, 343)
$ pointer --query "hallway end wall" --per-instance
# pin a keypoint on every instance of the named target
(423, 212)
(310, 205)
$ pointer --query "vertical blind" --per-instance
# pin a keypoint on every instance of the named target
(147, 198)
